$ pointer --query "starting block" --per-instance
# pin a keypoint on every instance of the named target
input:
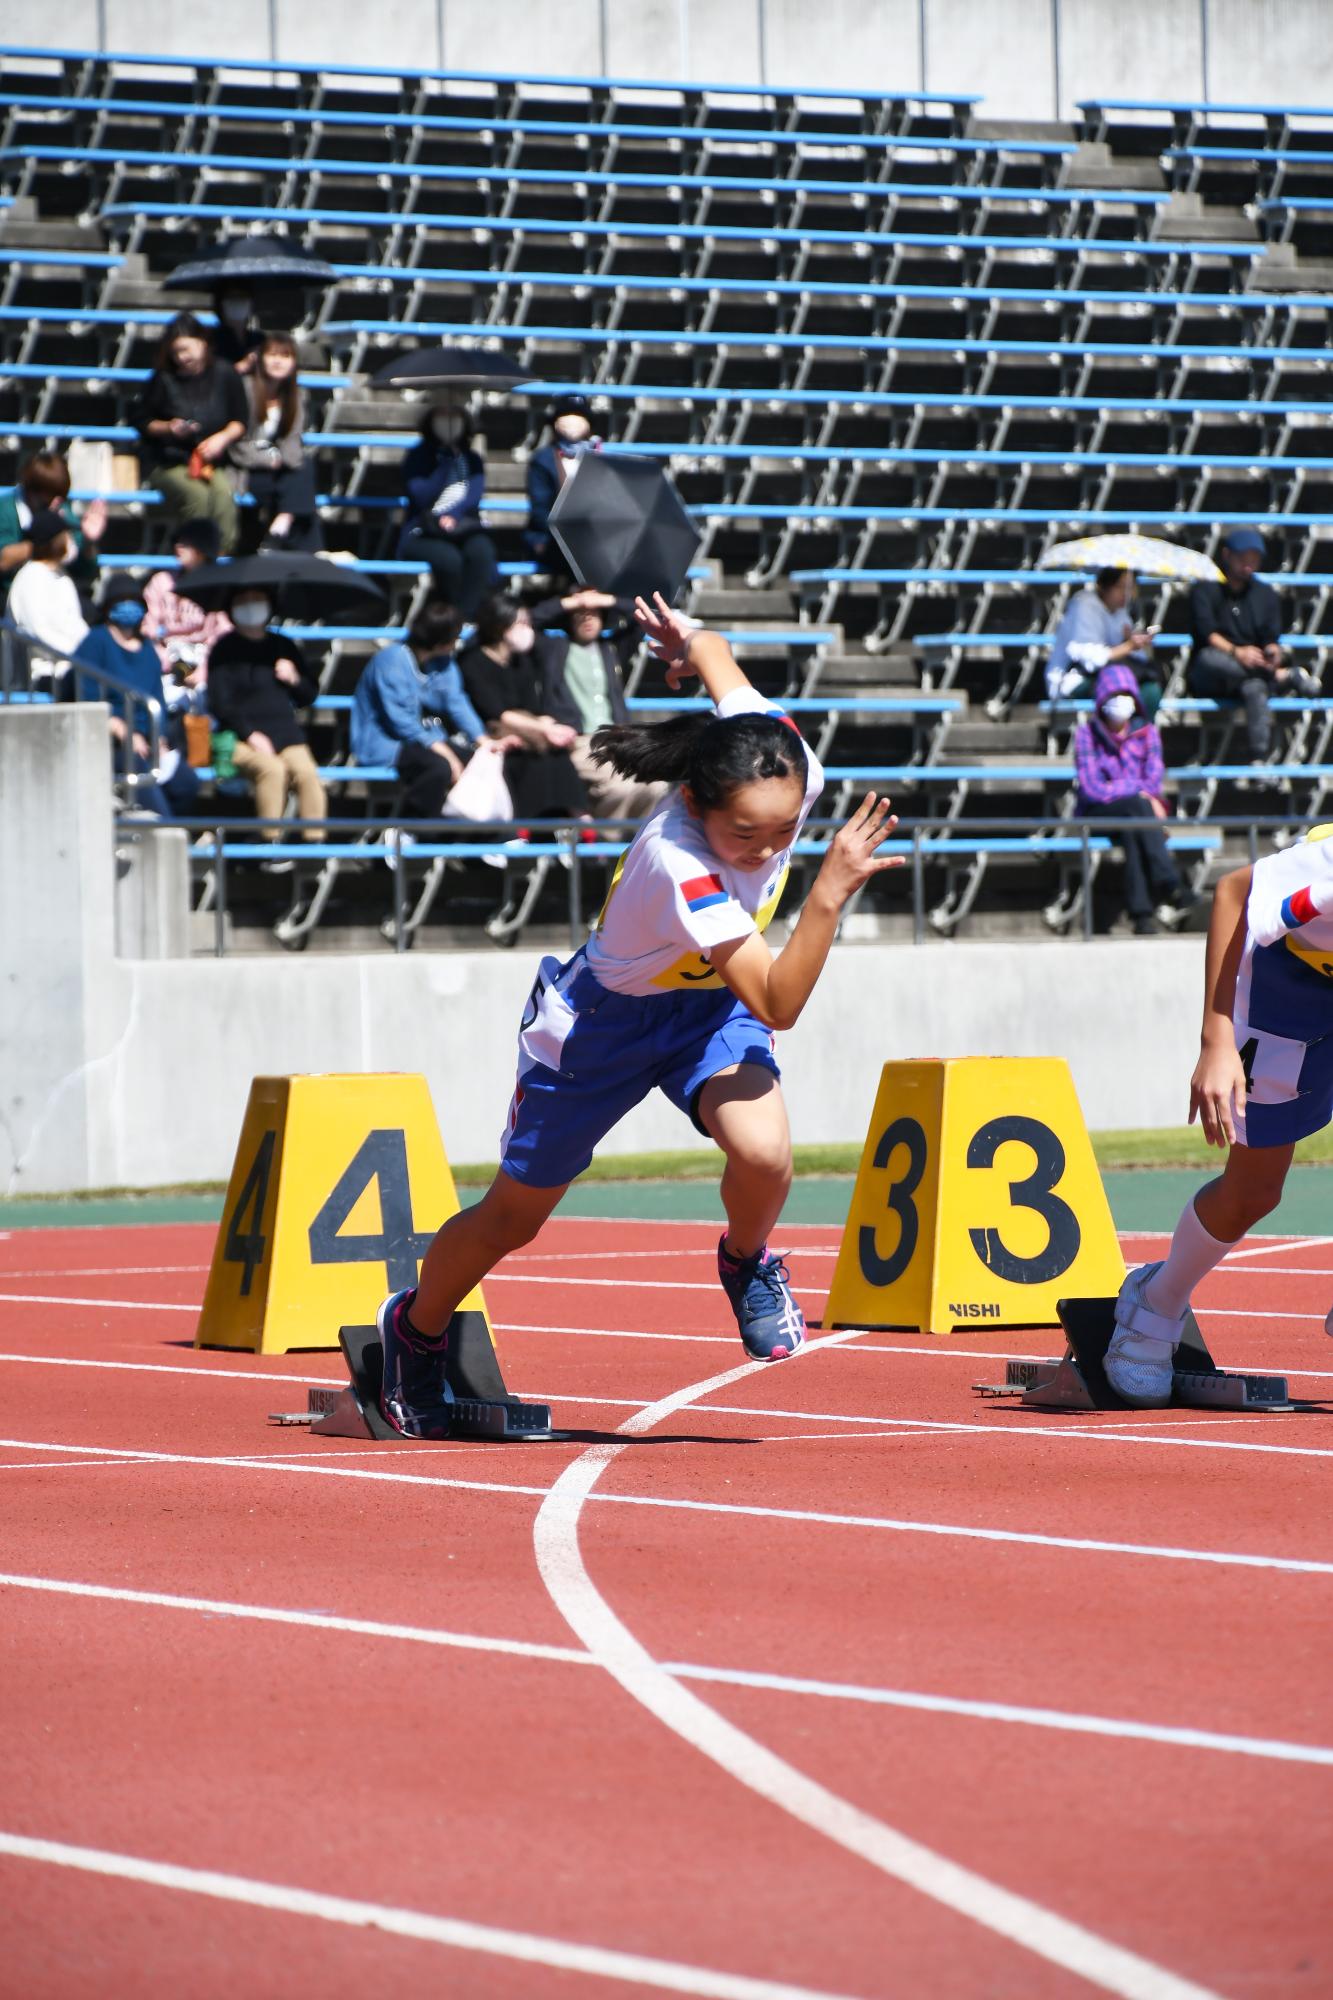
(483, 1407)
(1078, 1381)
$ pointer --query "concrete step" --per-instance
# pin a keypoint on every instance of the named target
(1095, 166)
(1187, 218)
(978, 738)
(721, 605)
(867, 673)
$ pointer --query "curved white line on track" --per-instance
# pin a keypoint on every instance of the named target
(587, 1613)
(593, 1961)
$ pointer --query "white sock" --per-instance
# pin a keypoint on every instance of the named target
(1193, 1254)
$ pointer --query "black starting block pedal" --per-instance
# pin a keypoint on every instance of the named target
(1078, 1381)
(482, 1407)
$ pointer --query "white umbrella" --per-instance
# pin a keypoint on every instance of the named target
(1146, 555)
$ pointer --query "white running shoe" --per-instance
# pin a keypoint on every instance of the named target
(1140, 1354)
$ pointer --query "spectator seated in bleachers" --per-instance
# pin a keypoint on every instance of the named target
(583, 670)
(549, 468)
(182, 630)
(257, 679)
(402, 689)
(44, 599)
(271, 458)
(1236, 628)
(192, 411)
(444, 480)
(118, 647)
(237, 336)
(43, 486)
(1120, 771)
(505, 684)
(1098, 631)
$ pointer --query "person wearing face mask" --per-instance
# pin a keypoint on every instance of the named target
(44, 600)
(43, 486)
(192, 411)
(548, 469)
(271, 457)
(444, 479)
(503, 679)
(118, 647)
(257, 680)
(1121, 774)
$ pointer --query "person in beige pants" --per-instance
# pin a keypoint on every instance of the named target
(257, 680)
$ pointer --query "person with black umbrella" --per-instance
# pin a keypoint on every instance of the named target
(257, 679)
(443, 482)
(548, 469)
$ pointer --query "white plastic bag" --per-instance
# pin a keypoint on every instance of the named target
(481, 793)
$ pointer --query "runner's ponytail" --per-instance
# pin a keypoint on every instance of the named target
(711, 754)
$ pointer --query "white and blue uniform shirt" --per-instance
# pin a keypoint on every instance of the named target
(671, 900)
(1283, 1014)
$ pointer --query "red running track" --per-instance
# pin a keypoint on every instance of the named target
(825, 1679)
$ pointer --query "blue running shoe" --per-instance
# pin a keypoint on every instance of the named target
(415, 1397)
(771, 1323)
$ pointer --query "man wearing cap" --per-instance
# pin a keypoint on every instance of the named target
(549, 468)
(1236, 627)
(44, 599)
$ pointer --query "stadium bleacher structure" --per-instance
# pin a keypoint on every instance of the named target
(890, 358)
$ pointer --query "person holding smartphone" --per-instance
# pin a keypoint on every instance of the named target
(1098, 630)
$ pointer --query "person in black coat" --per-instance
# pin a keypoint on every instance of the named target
(548, 469)
(443, 482)
(504, 681)
(584, 661)
(193, 409)
(257, 679)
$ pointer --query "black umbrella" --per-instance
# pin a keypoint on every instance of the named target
(254, 261)
(451, 368)
(300, 586)
(622, 527)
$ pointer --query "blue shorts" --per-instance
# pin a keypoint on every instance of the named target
(1285, 1037)
(586, 1056)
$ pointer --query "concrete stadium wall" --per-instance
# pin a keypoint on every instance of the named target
(1029, 59)
(133, 1072)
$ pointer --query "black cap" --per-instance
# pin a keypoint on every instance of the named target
(45, 526)
(572, 405)
(201, 534)
(119, 590)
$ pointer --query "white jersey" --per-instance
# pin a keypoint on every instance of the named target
(671, 900)
(1283, 925)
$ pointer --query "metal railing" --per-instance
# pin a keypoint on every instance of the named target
(222, 843)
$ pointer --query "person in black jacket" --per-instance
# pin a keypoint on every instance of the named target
(192, 411)
(504, 682)
(1236, 627)
(548, 469)
(443, 480)
(583, 662)
(257, 680)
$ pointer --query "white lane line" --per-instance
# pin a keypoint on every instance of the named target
(1274, 1748)
(105, 1271)
(172, 1368)
(1011, 1916)
(594, 1961)
(1272, 1249)
(617, 1256)
(310, 1467)
(122, 1305)
(1107, 1427)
